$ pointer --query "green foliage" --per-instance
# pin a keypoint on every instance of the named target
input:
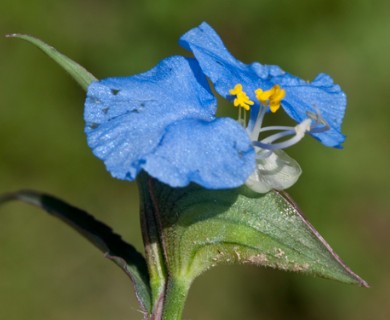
(43, 146)
(78, 73)
(203, 228)
(189, 230)
(99, 234)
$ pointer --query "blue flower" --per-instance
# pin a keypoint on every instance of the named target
(163, 121)
(318, 106)
(320, 100)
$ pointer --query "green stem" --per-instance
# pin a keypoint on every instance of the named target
(168, 292)
(154, 251)
(175, 297)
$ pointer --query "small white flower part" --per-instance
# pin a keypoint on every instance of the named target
(276, 171)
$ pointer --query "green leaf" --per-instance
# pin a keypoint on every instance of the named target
(99, 234)
(78, 73)
(203, 228)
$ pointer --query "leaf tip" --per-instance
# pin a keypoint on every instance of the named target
(364, 284)
(351, 277)
(361, 282)
(17, 35)
(78, 73)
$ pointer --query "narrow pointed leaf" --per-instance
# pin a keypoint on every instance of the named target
(204, 228)
(99, 234)
(78, 73)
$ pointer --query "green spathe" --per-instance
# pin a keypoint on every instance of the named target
(189, 230)
(202, 228)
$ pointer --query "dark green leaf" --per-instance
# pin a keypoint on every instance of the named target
(78, 73)
(99, 234)
(203, 228)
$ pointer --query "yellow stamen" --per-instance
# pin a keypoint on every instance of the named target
(241, 100)
(237, 89)
(274, 107)
(263, 96)
(271, 97)
(279, 93)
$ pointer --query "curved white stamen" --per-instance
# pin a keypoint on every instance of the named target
(277, 136)
(298, 132)
(281, 145)
(315, 129)
(273, 128)
(303, 127)
(320, 124)
(318, 127)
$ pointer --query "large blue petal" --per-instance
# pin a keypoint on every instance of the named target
(225, 72)
(216, 155)
(128, 118)
(220, 66)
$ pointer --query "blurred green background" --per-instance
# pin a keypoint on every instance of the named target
(49, 272)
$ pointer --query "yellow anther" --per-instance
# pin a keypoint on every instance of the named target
(263, 96)
(279, 93)
(241, 100)
(237, 89)
(271, 97)
(274, 106)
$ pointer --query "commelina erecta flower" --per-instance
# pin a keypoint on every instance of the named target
(163, 122)
(318, 107)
